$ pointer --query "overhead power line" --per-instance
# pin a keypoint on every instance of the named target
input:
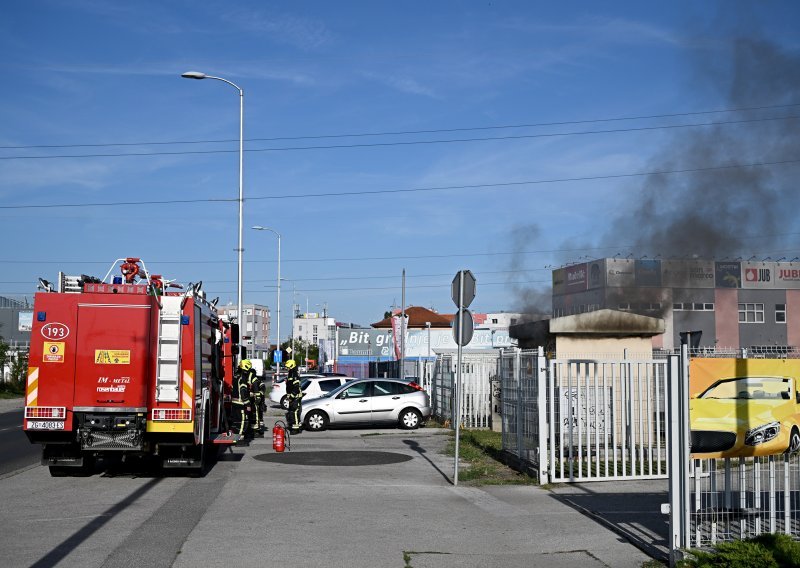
(402, 143)
(615, 247)
(402, 132)
(306, 260)
(409, 190)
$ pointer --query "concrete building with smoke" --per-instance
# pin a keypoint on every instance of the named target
(736, 304)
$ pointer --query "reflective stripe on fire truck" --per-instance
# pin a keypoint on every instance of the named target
(188, 389)
(33, 387)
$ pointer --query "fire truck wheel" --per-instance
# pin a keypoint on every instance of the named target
(285, 402)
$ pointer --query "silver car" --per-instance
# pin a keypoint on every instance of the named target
(369, 401)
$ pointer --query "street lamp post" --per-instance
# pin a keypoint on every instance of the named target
(277, 234)
(240, 250)
(428, 325)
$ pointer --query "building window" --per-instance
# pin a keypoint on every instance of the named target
(494, 320)
(780, 313)
(751, 313)
(693, 306)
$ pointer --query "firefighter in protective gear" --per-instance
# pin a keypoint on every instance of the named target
(242, 405)
(257, 396)
(294, 394)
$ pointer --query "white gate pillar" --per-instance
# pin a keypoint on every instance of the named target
(678, 452)
(541, 413)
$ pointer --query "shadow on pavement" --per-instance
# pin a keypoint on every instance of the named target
(636, 516)
(62, 550)
(421, 451)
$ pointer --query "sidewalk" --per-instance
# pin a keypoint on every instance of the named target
(376, 498)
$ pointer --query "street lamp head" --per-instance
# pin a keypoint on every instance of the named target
(193, 75)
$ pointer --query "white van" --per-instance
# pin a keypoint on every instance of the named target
(258, 365)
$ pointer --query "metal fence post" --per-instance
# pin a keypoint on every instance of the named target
(519, 411)
(541, 411)
(678, 453)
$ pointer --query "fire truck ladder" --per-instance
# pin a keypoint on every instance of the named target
(169, 349)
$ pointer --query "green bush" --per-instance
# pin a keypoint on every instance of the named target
(785, 550)
(764, 551)
(18, 363)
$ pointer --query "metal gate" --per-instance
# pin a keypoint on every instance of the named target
(583, 419)
(478, 370)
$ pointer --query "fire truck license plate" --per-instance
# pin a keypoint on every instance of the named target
(45, 424)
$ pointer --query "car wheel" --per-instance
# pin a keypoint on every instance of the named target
(316, 420)
(794, 441)
(285, 402)
(410, 419)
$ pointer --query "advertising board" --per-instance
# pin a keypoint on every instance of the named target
(577, 278)
(728, 274)
(744, 407)
(687, 273)
(620, 272)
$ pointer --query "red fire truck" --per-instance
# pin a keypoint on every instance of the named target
(128, 366)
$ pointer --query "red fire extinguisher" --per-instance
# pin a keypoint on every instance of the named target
(279, 436)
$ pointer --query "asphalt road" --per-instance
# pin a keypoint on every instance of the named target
(355, 498)
(16, 452)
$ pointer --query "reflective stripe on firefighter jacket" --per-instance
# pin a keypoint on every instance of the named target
(294, 394)
(257, 392)
(241, 401)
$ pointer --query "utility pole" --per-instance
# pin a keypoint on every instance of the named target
(403, 330)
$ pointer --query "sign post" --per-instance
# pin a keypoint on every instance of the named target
(463, 292)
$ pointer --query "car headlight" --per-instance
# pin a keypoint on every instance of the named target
(762, 434)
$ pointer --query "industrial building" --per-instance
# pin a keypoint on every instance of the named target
(736, 304)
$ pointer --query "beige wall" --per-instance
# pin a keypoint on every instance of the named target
(587, 346)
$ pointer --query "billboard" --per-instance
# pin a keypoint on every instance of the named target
(370, 343)
(577, 278)
(25, 321)
(728, 274)
(787, 276)
(559, 281)
(378, 343)
(648, 273)
(597, 274)
(620, 273)
(759, 275)
(687, 273)
(744, 407)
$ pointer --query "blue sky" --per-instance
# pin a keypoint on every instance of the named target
(346, 106)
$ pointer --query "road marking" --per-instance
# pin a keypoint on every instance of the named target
(11, 428)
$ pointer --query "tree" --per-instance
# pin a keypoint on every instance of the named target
(4, 360)
(19, 368)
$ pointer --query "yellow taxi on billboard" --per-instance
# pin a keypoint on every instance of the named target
(746, 416)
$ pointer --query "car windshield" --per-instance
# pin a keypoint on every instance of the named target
(747, 388)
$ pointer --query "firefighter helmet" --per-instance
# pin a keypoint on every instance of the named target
(290, 364)
(246, 365)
